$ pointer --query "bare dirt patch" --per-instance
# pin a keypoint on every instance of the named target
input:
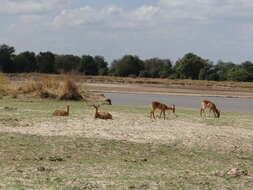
(139, 128)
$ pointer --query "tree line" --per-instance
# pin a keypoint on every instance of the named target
(190, 66)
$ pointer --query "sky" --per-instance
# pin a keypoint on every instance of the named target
(168, 29)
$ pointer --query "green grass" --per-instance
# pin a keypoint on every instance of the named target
(73, 163)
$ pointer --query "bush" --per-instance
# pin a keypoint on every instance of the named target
(173, 76)
(70, 91)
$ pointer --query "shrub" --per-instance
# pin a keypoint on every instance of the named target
(70, 91)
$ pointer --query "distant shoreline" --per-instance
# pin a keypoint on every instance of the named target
(158, 90)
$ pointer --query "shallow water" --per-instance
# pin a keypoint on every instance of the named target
(222, 103)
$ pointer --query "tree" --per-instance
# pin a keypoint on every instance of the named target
(102, 65)
(248, 66)
(46, 62)
(238, 73)
(202, 74)
(67, 63)
(25, 62)
(128, 65)
(222, 69)
(88, 65)
(189, 66)
(6, 55)
(156, 67)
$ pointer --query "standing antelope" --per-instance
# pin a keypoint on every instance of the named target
(101, 115)
(157, 105)
(208, 105)
(61, 112)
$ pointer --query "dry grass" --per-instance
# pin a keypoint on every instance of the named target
(70, 91)
(62, 87)
(3, 82)
(186, 83)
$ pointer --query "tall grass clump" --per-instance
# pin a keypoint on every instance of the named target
(70, 91)
(61, 87)
(4, 80)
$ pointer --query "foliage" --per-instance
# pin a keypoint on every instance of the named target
(46, 62)
(202, 74)
(67, 63)
(25, 62)
(128, 65)
(88, 65)
(6, 55)
(237, 73)
(157, 68)
(102, 65)
(248, 66)
(189, 66)
(222, 69)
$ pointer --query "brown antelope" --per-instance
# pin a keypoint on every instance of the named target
(157, 105)
(208, 105)
(101, 115)
(61, 112)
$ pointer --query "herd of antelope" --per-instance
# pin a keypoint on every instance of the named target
(205, 106)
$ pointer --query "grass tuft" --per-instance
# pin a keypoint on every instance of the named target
(70, 91)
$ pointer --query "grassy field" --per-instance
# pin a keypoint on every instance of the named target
(39, 151)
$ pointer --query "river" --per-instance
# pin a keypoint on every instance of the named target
(223, 103)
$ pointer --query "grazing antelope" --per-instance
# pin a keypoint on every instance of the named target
(101, 115)
(108, 101)
(208, 105)
(157, 105)
(61, 112)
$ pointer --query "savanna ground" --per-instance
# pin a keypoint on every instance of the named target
(39, 151)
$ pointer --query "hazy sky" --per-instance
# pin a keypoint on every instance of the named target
(213, 29)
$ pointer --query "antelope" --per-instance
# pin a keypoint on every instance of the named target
(157, 105)
(108, 101)
(205, 104)
(101, 115)
(61, 112)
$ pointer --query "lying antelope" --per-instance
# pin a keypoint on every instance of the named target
(208, 105)
(157, 105)
(61, 112)
(101, 115)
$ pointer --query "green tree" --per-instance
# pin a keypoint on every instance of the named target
(129, 65)
(202, 74)
(46, 62)
(25, 62)
(189, 66)
(156, 67)
(67, 63)
(6, 55)
(238, 73)
(102, 65)
(248, 66)
(222, 69)
(88, 65)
